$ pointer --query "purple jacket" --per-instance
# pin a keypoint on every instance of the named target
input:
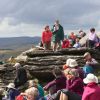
(81, 72)
(59, 82)
(91, 92)
(75, 85)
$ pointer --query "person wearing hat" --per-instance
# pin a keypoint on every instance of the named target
(91, 90)
(46, 38)
(67, 64)
(12, 92)
(73, 83)
(74, 65)
(90, 63)
(21, 75)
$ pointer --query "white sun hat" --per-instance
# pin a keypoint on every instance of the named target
(73, 63)
(11, 85)
(68, 62)
(90, 78)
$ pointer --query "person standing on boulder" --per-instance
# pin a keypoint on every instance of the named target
(21, 75)
(46, 38)
(58, 35)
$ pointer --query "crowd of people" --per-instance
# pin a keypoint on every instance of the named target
(55, 38)
(70, 83)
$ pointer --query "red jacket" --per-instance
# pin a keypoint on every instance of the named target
(91, 92)
(66, 44)
(46, 36)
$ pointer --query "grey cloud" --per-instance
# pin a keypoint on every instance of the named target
(70, 12)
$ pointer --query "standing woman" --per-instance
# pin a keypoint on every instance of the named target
(58, 35)
(46, 38)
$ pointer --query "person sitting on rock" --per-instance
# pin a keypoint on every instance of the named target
(81, 34)
(46, 38)
(92, 38)
(92, 89)
(72, 36)
(58, 83)
(65, 43)
(29, 94)
(90, 63)
(73, 83)
(74, 65)
(21, 75)
(12, 92)
(77, 44)
(35, 83)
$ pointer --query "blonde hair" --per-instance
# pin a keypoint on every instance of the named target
(73, 72)
(33, 92)
(33, 83)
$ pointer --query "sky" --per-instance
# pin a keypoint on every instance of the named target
(29, 17)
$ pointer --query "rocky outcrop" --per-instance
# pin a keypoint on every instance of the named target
(40, 63)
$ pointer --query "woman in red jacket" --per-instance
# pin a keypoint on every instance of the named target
(46, 38)
(92, 90)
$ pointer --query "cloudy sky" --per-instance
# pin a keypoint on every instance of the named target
(28, 17)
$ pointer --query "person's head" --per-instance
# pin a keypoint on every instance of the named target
(57, 71)
(80, 31)
(33, 83)
(17, 65)
(57, 22)
(87, 56)
(72, 33)
(47, 28)
(92, 30)
(32, 93)
(90, 78)
(71, 73)
(73, 63)
(77, 40)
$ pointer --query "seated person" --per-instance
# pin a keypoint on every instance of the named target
(65, 43)
(58, 83)
(90, 63)
(35, 83)
(74, 65)
(68, 95)
(30, 94)
(77, 44)
(72, 36)
(81, 34)
(21, 75)
(91, 90)
(12, 92)
(73, 83)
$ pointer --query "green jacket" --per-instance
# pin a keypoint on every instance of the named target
(58, 35)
